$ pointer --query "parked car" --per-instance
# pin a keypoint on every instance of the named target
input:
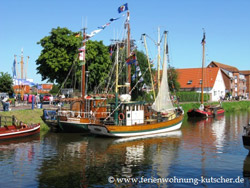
(46, 98)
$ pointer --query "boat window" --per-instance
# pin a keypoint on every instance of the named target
(128, 115)
(133, 108)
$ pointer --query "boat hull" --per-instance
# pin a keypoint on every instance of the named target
(136, 130)
(73, 126)
(204, 114)
(9, 132)
(246, 141)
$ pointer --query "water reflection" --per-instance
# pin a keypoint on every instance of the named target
(93, 159)
(209, 147)
(16, 159)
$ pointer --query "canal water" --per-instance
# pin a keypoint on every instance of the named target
(206, 153)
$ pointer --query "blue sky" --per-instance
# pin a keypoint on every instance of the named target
(25, 22)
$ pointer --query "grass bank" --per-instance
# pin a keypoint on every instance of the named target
(228, 106)
(28, 116)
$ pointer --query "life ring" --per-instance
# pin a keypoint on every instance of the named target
(121, 116)
(24, 126)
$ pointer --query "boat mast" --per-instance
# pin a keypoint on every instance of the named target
(203, 64)
(165, 53)
(128, 52)
(83, 69)
(116, 84)
(26, 67)
(21, 63)
(149, 65)
(158, 59)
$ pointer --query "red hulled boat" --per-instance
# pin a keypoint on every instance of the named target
(16, 129)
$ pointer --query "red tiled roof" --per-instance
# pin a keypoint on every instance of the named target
(194, 75)
(223, 66)
(245, 72)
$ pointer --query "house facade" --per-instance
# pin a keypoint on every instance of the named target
(235, 80)
(246, 73)
(191, 79)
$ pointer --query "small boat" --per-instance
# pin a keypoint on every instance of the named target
(209, 110)
(206, 111)
(246, 137)
(16, 129)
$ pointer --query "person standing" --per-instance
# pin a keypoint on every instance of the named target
(37, 99)
(6, 104)
(51, 100)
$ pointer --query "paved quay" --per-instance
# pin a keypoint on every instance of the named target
(27, 107)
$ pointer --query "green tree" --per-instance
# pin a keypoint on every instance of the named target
(6, 83)
(54, 89)
(98, 64)
(138, 93)
(174, 85)
(60, 50)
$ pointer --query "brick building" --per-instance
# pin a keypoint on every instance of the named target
(235, 81)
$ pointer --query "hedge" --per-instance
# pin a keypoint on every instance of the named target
(191, 96)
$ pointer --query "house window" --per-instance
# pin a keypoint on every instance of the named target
(189, 82)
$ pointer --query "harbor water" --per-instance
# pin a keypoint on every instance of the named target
(204, 153)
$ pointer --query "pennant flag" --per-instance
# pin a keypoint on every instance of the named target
(110, 52)
(123, 8)
(77, 35)
(104, 26)
(82, 56)
(131, 59)
(113, 19)
(82, 49)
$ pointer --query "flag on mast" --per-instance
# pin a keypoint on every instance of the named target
(123, 8)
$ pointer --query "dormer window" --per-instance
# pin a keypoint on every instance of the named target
(189, 82)
(200, 81)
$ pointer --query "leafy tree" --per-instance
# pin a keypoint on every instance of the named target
(6, 83)
(60, 50)
(54, 89)
(98, 64)
(138, 93)
(174, 85)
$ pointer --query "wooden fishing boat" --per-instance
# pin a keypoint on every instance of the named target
(137, 118)
(209, 110)
(16, 129)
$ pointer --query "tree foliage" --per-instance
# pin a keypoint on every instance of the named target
(6, 83)
(60, 51)
(138, 92)
(98, 64)
(173, 83)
